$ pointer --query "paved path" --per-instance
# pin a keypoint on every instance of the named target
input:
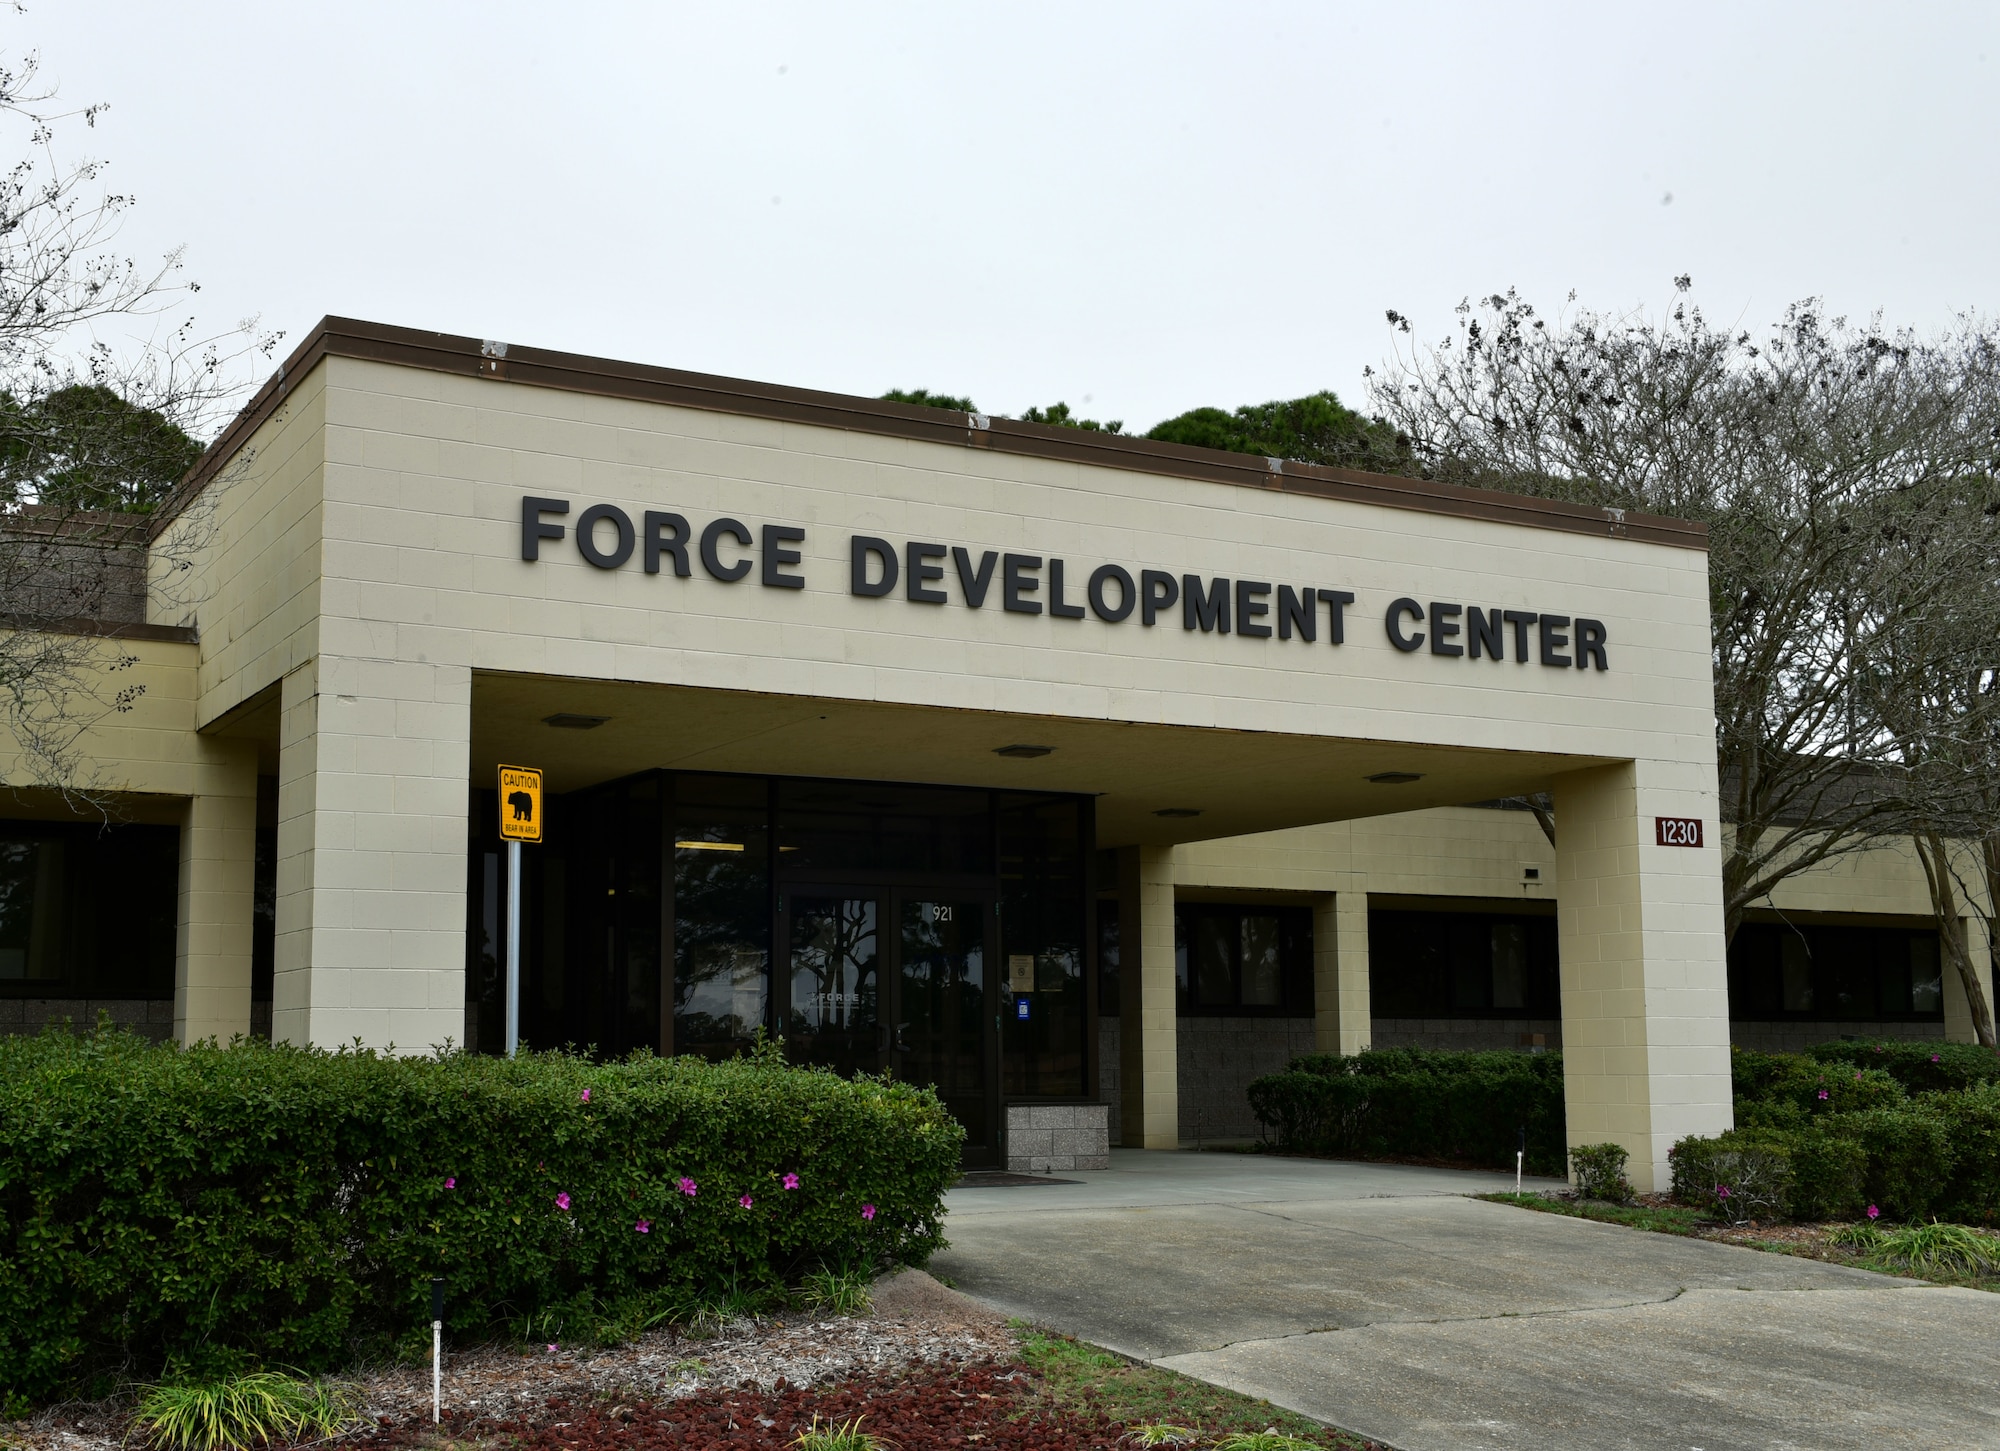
(1379, 1298)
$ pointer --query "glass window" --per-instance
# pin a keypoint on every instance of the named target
(835, 826)
(56, 938)
(1107, 956)
(1834, 973)
(1234, 959)
(1263, 970)
(1446, 964)
(722, 911)
(1043, 919)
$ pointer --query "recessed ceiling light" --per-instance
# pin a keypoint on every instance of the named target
(1178, 812)
(1396, 778)
(565, 721)
(1022, 753)
(708, 845)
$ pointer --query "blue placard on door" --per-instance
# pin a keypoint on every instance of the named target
(1021, 1009)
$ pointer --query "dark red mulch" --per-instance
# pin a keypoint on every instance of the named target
(985, 1407)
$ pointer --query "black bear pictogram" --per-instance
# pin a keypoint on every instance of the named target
(523, 805)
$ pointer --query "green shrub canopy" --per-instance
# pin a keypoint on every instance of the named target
(224, 1206)
(1417, 1103)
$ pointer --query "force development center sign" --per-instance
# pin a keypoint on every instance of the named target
(1029, 584)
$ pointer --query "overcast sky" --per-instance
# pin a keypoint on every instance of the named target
(1139, 208)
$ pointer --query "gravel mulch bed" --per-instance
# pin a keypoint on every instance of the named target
(989, 1407)
(917, 1324)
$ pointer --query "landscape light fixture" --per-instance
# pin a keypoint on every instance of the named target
(1022, 753)
(564, 720)
(1178, 813)
(1396, 778)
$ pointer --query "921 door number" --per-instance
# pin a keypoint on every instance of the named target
(1677, 830)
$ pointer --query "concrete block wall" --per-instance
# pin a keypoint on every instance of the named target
(1218, 1059)
(1057, 1138)
(1468, 1033)
(149, 1017)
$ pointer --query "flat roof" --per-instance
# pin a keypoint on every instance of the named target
(340, 337)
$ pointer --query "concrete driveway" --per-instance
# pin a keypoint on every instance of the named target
(1379, 1298)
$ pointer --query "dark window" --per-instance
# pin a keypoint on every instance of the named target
(829, 827)
(1783, 971)
(722, 911)
(1043, 919)
(1462, 965)
(59, 938)
(1232, 959)
(1107, 956)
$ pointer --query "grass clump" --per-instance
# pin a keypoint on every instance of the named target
(1928, 1249)
(840, 1436)
(1662, 1219)
(261, 1408)
(1263, 1441)
(1158, 1405)
(836, 1291)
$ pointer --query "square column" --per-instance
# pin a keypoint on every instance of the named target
(1340, 973)
(1148, 1068)
(1645, 994)
(212, 939)
(372, 802)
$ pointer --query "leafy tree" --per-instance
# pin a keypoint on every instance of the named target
(1797, 448)
(924, 398)
(1317, 428)
(1058, 415)
(86, 447)
(91, 433)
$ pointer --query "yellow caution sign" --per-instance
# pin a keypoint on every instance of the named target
(520, 803)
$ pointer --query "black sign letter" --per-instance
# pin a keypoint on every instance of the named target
(858, 549)
(1393, 623)
(533, 530)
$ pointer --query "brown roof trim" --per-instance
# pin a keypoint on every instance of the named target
(104, 629)
(572, 372)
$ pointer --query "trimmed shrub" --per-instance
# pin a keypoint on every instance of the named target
(1829, 1171)
(1909, 1156)
(1743, 1174)
(1972, 1120)
(1411, 1103)
(212, 1208)
(1597, 1171)
(1921, 1067)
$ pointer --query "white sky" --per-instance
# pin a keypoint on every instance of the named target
(1146, 206)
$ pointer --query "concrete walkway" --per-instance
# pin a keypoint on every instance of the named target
(1379, 1298)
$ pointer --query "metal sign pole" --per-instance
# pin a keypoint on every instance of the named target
(437, 1349)
(513, 947)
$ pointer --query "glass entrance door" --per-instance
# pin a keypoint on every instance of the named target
(944, 1022)
(897, 981)
(837, 1014)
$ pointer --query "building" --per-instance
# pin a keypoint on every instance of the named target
(917, 737)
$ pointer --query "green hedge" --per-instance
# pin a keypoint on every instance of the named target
(1411, 1103)
(1912, 1129)
(220, 1206)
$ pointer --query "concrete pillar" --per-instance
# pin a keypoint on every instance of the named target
(1340, 973)
(1148, 1069)
(1958, 1024)
(1645, 994)
(212, 940)
(372, 800)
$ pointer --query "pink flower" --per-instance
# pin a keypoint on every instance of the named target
(644, 1226)
(586, 1095)
(562, 1201)
(1722, 1191)
(746, 1201)
(1873, 1212)
(1822, 1095)
(867, 1211)
(791, 1181)
(1935, 1057)
(451, 1183)
(1857, 1075)
(552, 1347)
(687, 1187)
